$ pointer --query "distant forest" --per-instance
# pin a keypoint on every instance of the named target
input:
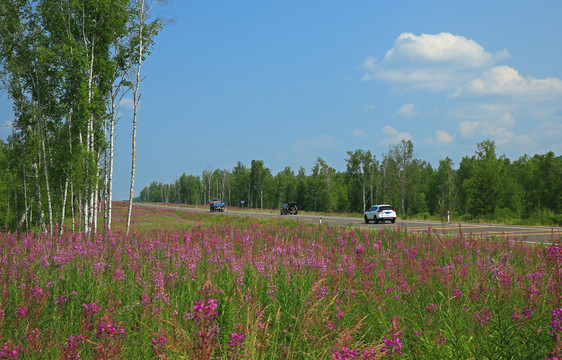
(485, 187)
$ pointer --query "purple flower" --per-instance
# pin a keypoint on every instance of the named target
(8, 350)
(343, 354)
(159, 344)
(21, 312)
(71, 347)
(392, 344)
(556, 324)
(236, 339)
(90, 309)
(483, 316)
(107, 328)
(457, 294)
(205, 309)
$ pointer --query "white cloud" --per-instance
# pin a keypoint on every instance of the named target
(443, 137)
(370, 63)
(393, 136)
(468, 128)
(406, 111)
(492, 125)
(498, 126)
(126, 103)
(443, 49)
(359, 133)
(433, 61)
(458, 65)
(505, 80)
(389, 131)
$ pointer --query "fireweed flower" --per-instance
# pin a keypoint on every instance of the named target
(71, 347)
(457, 294)
(8, 350)
(159, 344)
(556, 324)
(236, 344)
(90, 309)
(483, 316)
(204, 316)
(60, 300)
(107, 328)
(393, 343)
(343, 353)
(236, 339)
(21, 312)
(205, 309)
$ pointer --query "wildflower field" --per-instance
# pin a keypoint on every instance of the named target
(188, 285)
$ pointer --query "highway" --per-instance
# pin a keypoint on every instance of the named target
(537, 234)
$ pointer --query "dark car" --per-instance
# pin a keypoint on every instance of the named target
(289, 208)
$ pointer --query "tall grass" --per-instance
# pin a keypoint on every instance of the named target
(200, 286)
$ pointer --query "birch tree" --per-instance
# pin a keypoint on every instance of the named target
(403, 154)
(142, 35)
(359, 165)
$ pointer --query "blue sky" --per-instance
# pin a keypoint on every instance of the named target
(286, 82)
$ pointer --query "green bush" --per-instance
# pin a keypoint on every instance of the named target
(423, 215)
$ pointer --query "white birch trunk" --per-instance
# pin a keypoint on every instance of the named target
(39, 197)
(64, 199)
(136, 98)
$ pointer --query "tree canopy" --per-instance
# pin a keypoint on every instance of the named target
(483, 187)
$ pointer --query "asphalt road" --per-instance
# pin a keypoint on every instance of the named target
(537, 234)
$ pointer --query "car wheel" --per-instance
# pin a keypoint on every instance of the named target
(393, 220)
(366, 219)
(376, 220)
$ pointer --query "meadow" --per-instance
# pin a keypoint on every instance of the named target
(187, 285)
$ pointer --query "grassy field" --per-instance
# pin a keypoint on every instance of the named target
(187, 285)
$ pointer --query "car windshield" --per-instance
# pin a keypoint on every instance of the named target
(373, 208)
(388, 207)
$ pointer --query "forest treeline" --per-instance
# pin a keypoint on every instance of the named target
(66, 65)
(483, 187)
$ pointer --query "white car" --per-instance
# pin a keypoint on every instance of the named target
(380, 213)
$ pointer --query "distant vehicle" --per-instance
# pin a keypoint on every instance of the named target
(380, 213)
(216, 205)
(289, 208)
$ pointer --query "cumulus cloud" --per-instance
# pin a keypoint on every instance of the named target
(500, 127)
(458, 65)
(441, 137)
(406, 111)
(443, 48)
(393, 136)
(435, 61)
(505, 80)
